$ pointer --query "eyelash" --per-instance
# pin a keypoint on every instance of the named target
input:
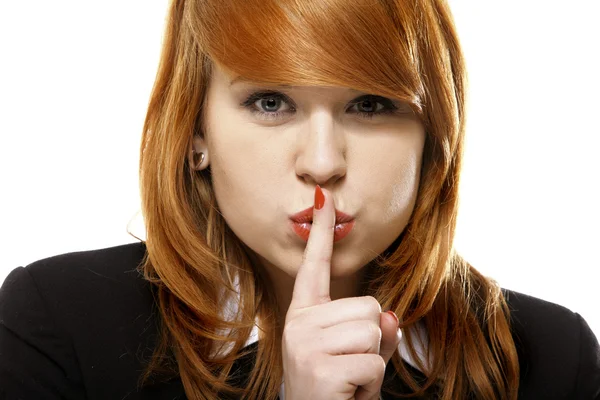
(389, 106)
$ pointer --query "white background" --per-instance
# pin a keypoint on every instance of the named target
(75, 79)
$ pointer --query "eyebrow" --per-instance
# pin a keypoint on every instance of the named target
(240, 79)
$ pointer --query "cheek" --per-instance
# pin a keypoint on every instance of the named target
(235, 178)
(232, 158)
(245, 184)
(402, 191)
(392, 178)
(239, 172)
(240, 194)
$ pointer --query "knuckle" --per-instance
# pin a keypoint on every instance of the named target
(372, 304)
(377, 365)
(290, 325)
(374, 333)
(287, 340)
(290, 336)
(302, 359)
(323, 299)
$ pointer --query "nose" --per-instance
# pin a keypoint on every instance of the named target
(321, 157)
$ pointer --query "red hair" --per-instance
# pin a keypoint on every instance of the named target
(403, 49)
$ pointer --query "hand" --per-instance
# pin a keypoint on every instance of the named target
(333, 349)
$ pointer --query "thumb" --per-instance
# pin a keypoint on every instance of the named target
(390, 335)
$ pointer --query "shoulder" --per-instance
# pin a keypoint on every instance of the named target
(559, 355)
(91, 313)
(113, 263)
(83, 290)
(85, 283)
(540, 319)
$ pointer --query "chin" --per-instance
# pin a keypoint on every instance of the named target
(344, 264)
(348, 258)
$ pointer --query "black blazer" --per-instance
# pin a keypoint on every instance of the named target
(81, 325)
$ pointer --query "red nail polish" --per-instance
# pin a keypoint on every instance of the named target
(393, 314)
(319, 198)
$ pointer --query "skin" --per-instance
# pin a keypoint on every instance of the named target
(333, 349)
(266, 168)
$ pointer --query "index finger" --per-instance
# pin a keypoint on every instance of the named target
(313, 277)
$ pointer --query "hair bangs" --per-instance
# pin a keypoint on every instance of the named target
(325, 43)
(407, 50)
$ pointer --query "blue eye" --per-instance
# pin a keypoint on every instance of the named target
(270, 105)
(370, 105)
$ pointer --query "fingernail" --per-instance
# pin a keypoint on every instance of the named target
(393, 314)
(319, 198)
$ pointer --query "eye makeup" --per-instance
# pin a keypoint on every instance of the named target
(266, 105)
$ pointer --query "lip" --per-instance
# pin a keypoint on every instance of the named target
(302, 222)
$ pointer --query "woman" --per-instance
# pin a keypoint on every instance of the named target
(299, 172)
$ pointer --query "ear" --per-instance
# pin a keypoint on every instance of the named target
(198, 154)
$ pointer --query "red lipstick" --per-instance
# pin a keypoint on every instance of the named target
(302, 222)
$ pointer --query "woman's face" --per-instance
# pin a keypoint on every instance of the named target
(270, 146)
